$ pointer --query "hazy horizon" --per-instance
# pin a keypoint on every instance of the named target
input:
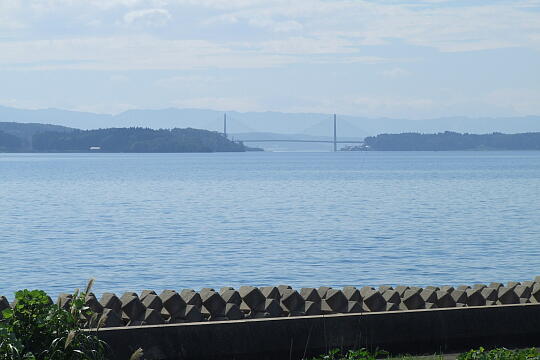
(304, 124)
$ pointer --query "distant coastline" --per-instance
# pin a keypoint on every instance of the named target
(448, 141)
(45, 138)
(16, 137)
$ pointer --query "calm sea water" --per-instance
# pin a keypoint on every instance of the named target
(156, 221)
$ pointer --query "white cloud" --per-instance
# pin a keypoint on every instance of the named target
(9, 22)
(340, 26)
(149, 17)
(277, 26)
(395, 72)
(383, 102)
(306, 46)
(521, 101)
(147, 53)
(447, 28)
(220, 103)
(189, 81)
(349, 35)
(130, 53)
(119, 78)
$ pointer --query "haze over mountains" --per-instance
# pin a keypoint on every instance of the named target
(262, 123)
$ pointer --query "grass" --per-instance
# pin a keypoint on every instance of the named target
(476, 354)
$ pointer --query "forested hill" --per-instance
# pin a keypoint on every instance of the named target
(10, 142)
(24, 132)
(453, 141)
(134, 140)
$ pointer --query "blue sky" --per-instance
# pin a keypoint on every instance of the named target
(413, 59)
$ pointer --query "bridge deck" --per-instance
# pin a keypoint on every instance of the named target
(304, 141)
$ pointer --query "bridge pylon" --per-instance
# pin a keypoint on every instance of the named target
(225, 125)
(335, 134)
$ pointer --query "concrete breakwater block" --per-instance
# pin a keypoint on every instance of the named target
(111, 301)
(507, 295)
(147, 317)
(523, 291)
(93, 304)
(64, 300)
(310, 294)
(191, 297)
(252, 298)
(233, 312)
(459, 296)
(207, 304)
(152, 301)
(391, 296)
(322, 290)
(372, 300)
(475, 298)
(444, 299)
(4, 304)
(172, 302)
(312, 308)
(429, 295)
(352, 294)
(271, 292)
(132, 307)
(535, 293)
(231, 296)
(354, 307)
(490, 294)
(334, 301)
(272, 308)
(292, 303)
(213, 305)
(411, 300)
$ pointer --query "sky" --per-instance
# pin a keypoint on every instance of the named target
(387, 58)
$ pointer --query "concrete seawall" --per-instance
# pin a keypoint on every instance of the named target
(414, 332)
(249, 302)
(278, 322)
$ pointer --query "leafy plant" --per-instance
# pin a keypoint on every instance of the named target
(500, 354)
(37, 329)
(361, 354)
(477, 354)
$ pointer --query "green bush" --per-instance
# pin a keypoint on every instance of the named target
(478, 354)
(37, 329)
(361, 354)
(501, 354)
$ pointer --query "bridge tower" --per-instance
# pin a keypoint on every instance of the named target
(225, 125)
(335, 134)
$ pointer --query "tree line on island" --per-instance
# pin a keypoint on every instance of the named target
(140, 140)
(135, 139)
(448, 141)
(19, 137)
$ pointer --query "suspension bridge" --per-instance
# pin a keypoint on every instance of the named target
(335, 140)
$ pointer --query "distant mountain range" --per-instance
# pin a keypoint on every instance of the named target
(268, 122)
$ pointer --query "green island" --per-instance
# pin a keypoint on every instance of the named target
(49, 138)
(448, 141)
